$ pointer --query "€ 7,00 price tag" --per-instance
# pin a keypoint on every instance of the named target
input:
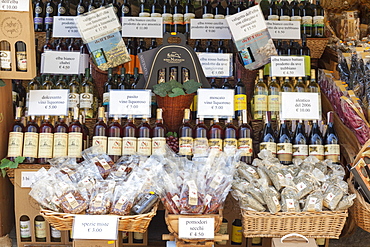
(94, 226)
(129, 102)
(215, 102)
(197, 228)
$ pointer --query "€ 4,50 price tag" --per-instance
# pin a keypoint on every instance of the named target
(288, 66)
(129, 102)
(52, 102)
(215, 102)
(57, 62)
(197, 228)
(95, 226)
(300, 106)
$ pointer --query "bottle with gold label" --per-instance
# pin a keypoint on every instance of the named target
(315, 142)
(178, 17)
(208, 10)
(5, 58)
(273, 11)
(240, 97)
(40, 229)
(60, 146)
(216, 135)
(189, 13)
(300, 147)
(21, 56)
(287, 86)
(144, 9)
(15, 144)
(284, 11)
(159, 134)
(46, 140)
(219, 11)
(245, 142)
(200, 134)
(75, 137)
(30, 142)
(268, 139)
(273, 100)
(129, 140)
(230, 144)
(284, 145)
(156, 9)
(144, 138)
(100, 131)
(167, 16)
(223, 230)
(186, 136)
(331, 148)
(114, 147)
(25, 228)
(237, 232)
(260, 97)
(318, 20)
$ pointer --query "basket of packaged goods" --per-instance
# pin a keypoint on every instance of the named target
(98, 186)
(308, 197)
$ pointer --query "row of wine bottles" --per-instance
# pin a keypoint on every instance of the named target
(6, 49)
(40, 230)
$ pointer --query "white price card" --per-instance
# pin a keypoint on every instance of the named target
(52, 102)
(27, 179)
(216, 64)
(98, 23)
(59, 62)
(130, 102)
(95, 226)
(142, 27)
(284, 29)
(65, 27)
(215, 102)
(246, 23)
(14, 5)
(291, 66)
(209, 29)
(196, 228)
(295, 106)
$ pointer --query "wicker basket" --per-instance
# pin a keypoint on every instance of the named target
(129, 223)
(10, 172)
(317, 46)
(326, 224)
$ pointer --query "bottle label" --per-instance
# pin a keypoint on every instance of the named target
(21, 60)
(86, 100)
(114, 146)
(158, 145)
(273, 103)
(296, 18)
(144, 14)
(284, 151)
(185, 145)
(25, 229)
(300, 151)
(318, 21)
(73, 100)
(46, 145)
(200, 146)
(167, 18)
(307, 21)
(178, 19)
(15, 144)
(30, 145)
(246, 146)
(15, 95)
(115, 9)
(215, 144)
(230, 146)
(40, 229)
(240, 102)
(284, 18)
(38, 20)
(48, 20)
(61, 10)
(193, 193)
(155, 15)
(80, 9)
(332, 151)
(273, 18)
(106, 98)
(60, 145)
(219, 17)
(129, 145)
(271, 146)
(49, 10)
(125, 9)
(207, 16)
(260, 102)
(144, 146)
(75, 144)
(55, 233)
(100, 141)
(237, 234)
(138, 235)
(317, 151)
(188, 17)
(38, 10)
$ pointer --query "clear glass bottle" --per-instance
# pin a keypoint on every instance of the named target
(159, 134)
(15, 143)
(144, 138)
(273, 100)
(87, 95)
(186, 136)
(260, 97)
(30, 142)
(46, 140)
(100, 131)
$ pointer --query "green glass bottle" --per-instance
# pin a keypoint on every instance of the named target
(87, 95)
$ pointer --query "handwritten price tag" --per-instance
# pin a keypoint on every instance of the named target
(291, 66)
(65, 27)
(48, 102)
(209, 29)
(216, 64)
(95, 227)
(295, 106)
(139, 27)
(284, 29)
(196, 228)
(56, 62)
(130, 102)
(14, 5)
(215, 102)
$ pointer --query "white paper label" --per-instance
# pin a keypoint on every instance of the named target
(65, 27)
(52, 102)
(14, 5)
(301, 186)
(59, 62)
(95, 227)
(216, 64)
(209, 29)
(130, 102)
(284, 29)
(196, 228)
(300, 106)
(142, 27)
(215, 102)
(291, 66)
(26, 179)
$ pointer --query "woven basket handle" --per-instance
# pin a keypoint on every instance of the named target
(294, 235)
(166, 36)
(364, 147)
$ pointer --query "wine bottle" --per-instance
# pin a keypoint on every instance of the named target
(198, 46)
(116, 8)
(219, 11)
(87, 95)
(140, 48)
(331, 141)
(209, 47)
(296, 12)
(226, 84)
(245, 142)
(38, 16)
(48, 46)
(307, 14)
(287, 86)
(189, 13)
(304, 50)
(55, 235)
(167, 17)
(156, 9)
(223, 230)
(178, 17)
(284, 11)
(125, 9)
(230, 9)
(300, 147)
(186, 136)
(230, 143)
(237, 232)
(15, 143)
(240, 97)
(25, 228)
(318, 20)
(40, 229)
(260, 97)
(75, 137)
(208, 10)
(74, 94)
(313, 87)
(62, 9)
(284, 146)
(124, 80)
(47, 84)
(46, 140)
(144, 9)
(200, 134)
(280, 49)
(30, 142)
(215, 135)
(21, 56)
(292, 50)
(315, 142)
(100, 131)
(221, 48)
(138, 237)
(300, 86)
(114, 147)
(273, 11)
(91, 6)
(265, 7)
(144, 140)
(129, 140)
(5, 58)
(273, 100)
(240, 7)
(81, 8)
(159, 132)
(86, 131)
(60, 146)
(73, 46)
(49, 15)
(268, 139)
(109, 84)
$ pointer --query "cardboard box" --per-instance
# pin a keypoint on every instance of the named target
(294, 240)
(95, 243)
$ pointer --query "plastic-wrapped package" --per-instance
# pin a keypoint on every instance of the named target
(271, 199)
(239, 184)
(346, 202)
(289, 200)
(102, 161)
(254, 190)
(191, 198)
(123, 200)
(101, 197)
(123, 167)
(304, 185)
(332, 196)
(314, 202)
(277, 177)
(44, 194)
(247, 172)
(73, 202)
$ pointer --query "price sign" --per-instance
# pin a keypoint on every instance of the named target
(291, 66)
(52, 102)
(95, 227)
(65, 27)
(197, 228)
(216, 64)
(209, 29)
(284, 29)
(143, 27)
(130, 102)
(215, 102)
(98, 23)
(14, 5)
(27, 179)
(58, 62)
(295, 106)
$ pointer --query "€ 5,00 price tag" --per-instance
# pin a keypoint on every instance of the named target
(52, 102)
